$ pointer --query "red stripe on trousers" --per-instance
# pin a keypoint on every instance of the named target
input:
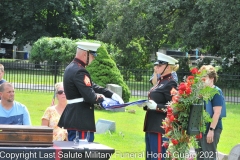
(83, 135)
(57, 149)
(159, 145)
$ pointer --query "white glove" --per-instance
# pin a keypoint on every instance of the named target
(116, 97)
(151, 105)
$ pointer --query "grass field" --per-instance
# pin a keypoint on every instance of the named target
(129, 137)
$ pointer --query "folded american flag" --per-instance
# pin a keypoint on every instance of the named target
(109, 103)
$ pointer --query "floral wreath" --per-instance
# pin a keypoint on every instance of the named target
(192, 91)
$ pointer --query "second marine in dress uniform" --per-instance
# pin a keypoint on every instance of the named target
(82, 93)
(158, 97)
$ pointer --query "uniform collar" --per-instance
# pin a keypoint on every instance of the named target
(166, 76)
(79, 61)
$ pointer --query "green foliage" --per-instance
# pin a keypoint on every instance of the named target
(88, 11)
(114, 52)
(129, 29)
(27, 21)
(54, 49)
(135, 55)
(209, 25)
(104, 71)
(191, 94)
(63, 50)
(183, 68)
(137, 27)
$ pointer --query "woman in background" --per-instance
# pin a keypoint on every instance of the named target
(53, 113)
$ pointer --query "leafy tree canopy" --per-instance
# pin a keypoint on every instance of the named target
(135, 27)
(27, 21)
(209, 25)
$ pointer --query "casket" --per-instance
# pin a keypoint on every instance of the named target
(23, 135)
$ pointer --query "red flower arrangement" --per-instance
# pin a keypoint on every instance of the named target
(189, 92)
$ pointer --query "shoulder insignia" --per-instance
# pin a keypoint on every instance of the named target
(87, 81)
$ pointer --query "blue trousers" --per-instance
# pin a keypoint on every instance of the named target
(82, 135)
(154, 148)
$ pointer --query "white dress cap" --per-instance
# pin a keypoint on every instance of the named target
(164, 59)
(88, 46)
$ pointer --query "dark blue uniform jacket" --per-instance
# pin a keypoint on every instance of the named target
(78, 84)
(160, 93)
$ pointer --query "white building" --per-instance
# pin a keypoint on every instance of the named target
(8, 50)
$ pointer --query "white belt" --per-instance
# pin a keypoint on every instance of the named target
(76, 100)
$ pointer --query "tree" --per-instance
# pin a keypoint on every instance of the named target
(104, 71)
(27, 21)
(53, 49)
(135, 55)
(130, 21)
(89, 12)
(209, 25)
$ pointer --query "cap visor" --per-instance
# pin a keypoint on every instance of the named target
(94, 54)
(162, 62)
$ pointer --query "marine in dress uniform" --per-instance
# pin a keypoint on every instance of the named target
(82, 94)
(158, 96)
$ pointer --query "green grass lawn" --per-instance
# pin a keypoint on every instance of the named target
(128, 139)
(230, 134)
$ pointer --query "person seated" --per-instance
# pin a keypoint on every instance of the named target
(12, 112)
(52, 114)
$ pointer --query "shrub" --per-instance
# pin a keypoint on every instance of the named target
(56, 49)
(53, 49)
(104, 71)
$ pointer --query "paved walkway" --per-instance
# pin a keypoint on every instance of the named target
(34, 86)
